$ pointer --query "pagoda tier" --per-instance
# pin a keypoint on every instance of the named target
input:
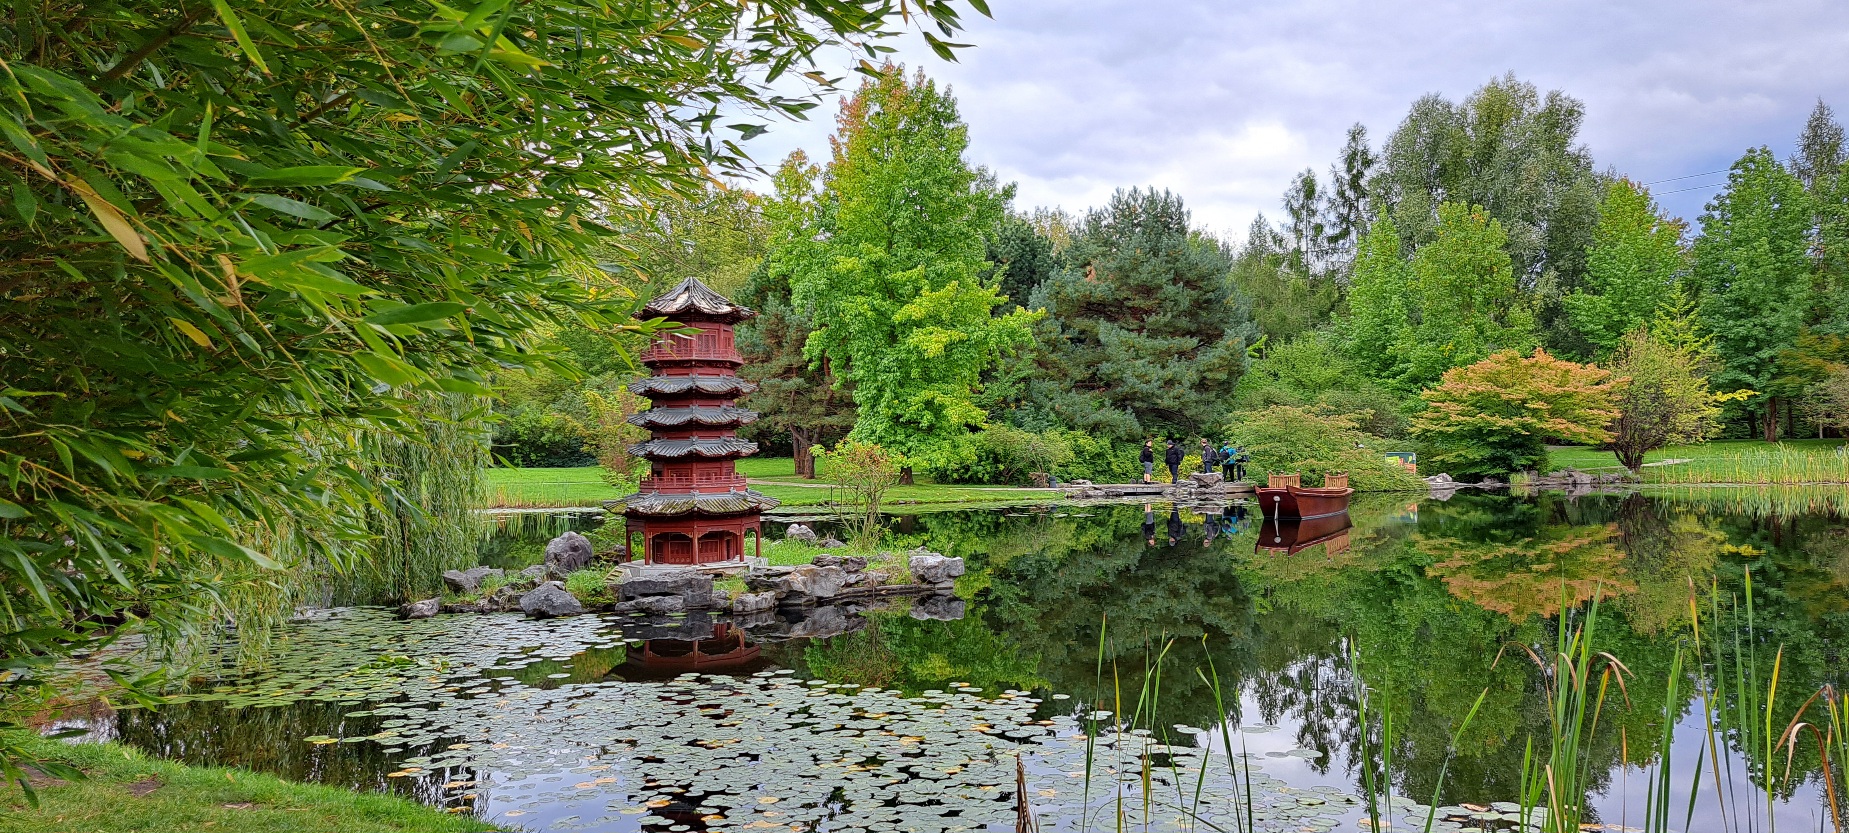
(694, 507)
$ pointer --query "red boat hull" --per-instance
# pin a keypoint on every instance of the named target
(1290, 536)
(1300, 502)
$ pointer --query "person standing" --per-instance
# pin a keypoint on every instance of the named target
(1149, 460)
(1149, 519)
(1172, 457)
(1229, 461)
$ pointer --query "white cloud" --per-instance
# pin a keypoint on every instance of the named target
(1224, 102)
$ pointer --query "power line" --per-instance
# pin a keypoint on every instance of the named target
(1690, 176)
(1695, 188)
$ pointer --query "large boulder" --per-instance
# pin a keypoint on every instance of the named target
(800, 585)
(677, 581)
(932, 568)
(421, 610)
(1206, 478)
(470, 580)
(549, 600)
(568, 554)
(850, 563)
(754, 602)
(653, 605)
(799, 532)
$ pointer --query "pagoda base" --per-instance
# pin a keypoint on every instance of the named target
(696, 541)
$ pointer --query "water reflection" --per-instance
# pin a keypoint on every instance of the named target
(1430, 603)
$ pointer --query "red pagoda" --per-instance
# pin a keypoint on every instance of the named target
(694, 508)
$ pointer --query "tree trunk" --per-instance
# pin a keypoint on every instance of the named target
(905, 476)
(799, 447)
(1771, 419)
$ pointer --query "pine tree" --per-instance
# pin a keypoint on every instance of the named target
(893, 280)
(1303, 223)
(1632, 268)
(1753, 268)
(1143, 332)
(1820, 151)
(1348, 206)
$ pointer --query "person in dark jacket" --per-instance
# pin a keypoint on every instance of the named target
(1149, 460)
(1173, 458)
(1175, 530)
(1208, 457)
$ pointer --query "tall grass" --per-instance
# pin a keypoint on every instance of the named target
(1779, 465)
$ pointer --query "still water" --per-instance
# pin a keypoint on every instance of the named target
(914, 717)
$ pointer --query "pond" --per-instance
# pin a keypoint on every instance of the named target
(1146, 666)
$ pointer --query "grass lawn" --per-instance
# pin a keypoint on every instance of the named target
(129, 791)
(584, 487)
(1718, 462)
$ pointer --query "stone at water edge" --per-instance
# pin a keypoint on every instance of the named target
(940, 607)
(1206, 478)
(933, 568)
(421, 610)
(549, 600)
(470, 580)
(568, 554)
(801, 585)
(656, 605)
(799, 532)
(670, 582)
(754, 602)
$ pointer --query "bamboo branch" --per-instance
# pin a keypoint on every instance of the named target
(134, 59)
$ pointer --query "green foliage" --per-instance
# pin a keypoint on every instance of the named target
(891, 275)
(1632, 268)
(242, 234)
(1005, 454)
(1753, 269)
(1021, 257)
(864, 472)
(1379, 294)
(1142, 333)
(590, 586)
(1313, 371)
(717, 234)
(1496, 417)
(1465, 297)
(1511, 149)
(1286, 299)
(1284, 438)
(1665, 400)
(797, 401)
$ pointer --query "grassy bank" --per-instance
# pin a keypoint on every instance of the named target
(128, 791)
(774, 476)
(1725, 461)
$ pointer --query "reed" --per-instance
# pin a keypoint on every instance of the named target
(1780, 465)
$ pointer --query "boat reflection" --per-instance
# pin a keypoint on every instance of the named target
(1289, 536)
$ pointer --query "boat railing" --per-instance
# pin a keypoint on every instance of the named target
(1278, 480)
(1335, 480)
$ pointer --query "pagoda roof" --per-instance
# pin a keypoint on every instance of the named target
(675, 449)
(705, 415)
(720, 385)
(692, 299)
(667, 504)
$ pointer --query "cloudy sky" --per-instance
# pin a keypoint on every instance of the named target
(1223, 102)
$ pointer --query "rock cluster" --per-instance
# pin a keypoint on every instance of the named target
(663, 590)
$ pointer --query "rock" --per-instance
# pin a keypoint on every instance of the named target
(470, 580)
(1439, 480)
(1206, 478)
(504, 598)
(799, 532)
(568, 554)
(831, 542)
(940, 607)
(754, 602)
(549, 600)
(826, 561)
(656, 605)
(932, 568)
(854, 563)
(802, 585)
(676, 581)
(421, 610)
(876, 578)
(826, 621)
(535, 573)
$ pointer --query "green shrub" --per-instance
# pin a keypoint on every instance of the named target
(1284, 438)
(1006, 455)
(592, 585)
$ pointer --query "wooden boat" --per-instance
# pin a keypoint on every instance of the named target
(1285, 496)
(1289, 536)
